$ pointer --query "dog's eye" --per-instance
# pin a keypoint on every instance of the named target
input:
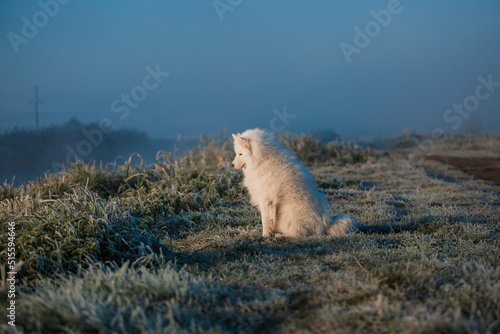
(240, 154)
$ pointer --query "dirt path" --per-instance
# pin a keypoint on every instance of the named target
(484, 168)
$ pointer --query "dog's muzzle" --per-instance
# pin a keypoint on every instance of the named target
(242, 166)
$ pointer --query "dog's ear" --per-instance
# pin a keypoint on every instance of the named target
(247, 143)
(234, 136)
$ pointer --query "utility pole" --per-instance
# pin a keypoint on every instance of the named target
(36, 101)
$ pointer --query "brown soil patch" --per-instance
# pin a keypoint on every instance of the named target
(482, 167)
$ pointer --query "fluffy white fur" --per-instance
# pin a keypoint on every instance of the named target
(284, 190)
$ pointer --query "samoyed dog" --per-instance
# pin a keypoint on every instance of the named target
(283, 189)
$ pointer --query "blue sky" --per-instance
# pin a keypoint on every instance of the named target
(263, 55)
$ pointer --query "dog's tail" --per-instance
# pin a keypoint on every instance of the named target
(342, 224)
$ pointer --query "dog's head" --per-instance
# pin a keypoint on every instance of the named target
(243, 150)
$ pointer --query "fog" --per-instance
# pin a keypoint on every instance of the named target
(361, 68)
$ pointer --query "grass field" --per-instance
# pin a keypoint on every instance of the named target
(176, 247)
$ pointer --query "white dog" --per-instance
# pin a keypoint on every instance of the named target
(284, 190)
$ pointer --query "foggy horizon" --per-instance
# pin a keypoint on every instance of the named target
(360, 69)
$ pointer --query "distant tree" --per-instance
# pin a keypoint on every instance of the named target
(28, 152)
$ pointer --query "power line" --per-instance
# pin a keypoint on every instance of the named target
(36, 101)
